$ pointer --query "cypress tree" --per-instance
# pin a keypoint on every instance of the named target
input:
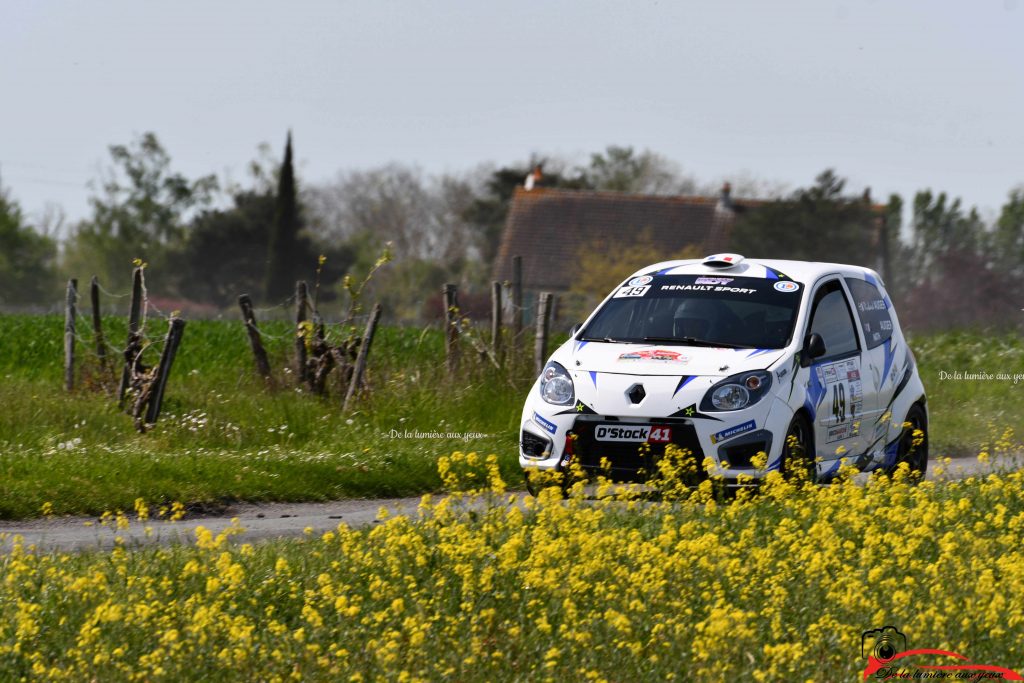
(284, 249)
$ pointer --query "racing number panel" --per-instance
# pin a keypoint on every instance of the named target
(838, 396)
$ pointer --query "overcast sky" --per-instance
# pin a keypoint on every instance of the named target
(895, 95)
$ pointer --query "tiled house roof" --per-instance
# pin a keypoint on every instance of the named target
(548, 227)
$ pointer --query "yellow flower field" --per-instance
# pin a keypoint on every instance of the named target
(488, 587)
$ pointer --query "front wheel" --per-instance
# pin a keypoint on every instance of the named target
(798, 457)
(538, 480)
(532, 488)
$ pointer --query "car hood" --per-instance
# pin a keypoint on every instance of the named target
(667, 359)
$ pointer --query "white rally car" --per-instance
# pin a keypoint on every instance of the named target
(728, 357)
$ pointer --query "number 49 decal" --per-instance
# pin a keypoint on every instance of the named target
(631, 291)
(839, 402)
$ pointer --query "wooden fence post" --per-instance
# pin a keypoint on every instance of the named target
(364, 352)
(517, 297)
(540, 342)
(258, 352)
(451, 320)
(163, 370)
(69, 334)
(496, 320)
(133, 334)
(301, 303)
(97, 323)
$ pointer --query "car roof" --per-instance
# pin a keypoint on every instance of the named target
(806, 272)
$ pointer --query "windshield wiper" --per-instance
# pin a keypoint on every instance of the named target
(693, 341)
(605, 339)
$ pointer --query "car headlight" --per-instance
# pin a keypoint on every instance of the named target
(737, 392)
(556, 385)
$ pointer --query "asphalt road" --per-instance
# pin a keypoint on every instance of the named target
(282, 520)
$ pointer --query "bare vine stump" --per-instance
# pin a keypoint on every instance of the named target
(156, 394)
(517, 298)
(451, 319)
(496, 320)
(540, 342)
(69, 334)
(134, 313)
(97, 324)
(321, 363)
(255, 340)
(301, 304)
(364, 352)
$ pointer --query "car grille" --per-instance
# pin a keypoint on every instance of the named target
(634, 461)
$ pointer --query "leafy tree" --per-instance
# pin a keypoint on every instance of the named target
(225, 251)
(1008, 240)
(141, 210)
(941, 232)
(289, 249)
(420, 217)
(622, 170)
(392, 203)
(27, 259)
(962, 271)
(818, 223)
(894, 253)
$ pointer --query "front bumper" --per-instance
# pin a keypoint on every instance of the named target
(585, 441)
(631, 460)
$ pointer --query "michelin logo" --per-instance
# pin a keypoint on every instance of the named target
(546, 424)
(732, 431)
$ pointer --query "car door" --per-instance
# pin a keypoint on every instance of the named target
(872, 308)
(835, 390)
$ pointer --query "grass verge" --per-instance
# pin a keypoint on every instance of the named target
(225, 436)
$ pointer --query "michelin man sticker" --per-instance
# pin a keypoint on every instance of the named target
(842, 383)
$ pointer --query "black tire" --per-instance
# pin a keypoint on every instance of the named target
(531, 488)
(798, 458)
(915, 456)
(534, 489)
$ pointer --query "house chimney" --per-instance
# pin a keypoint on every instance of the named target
(533, 178)
(725, 198)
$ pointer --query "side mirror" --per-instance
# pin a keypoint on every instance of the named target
(814, 347)
(574, 329)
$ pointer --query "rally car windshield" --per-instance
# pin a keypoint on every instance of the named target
(699, 310)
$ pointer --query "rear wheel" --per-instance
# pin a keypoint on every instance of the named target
(798, 459)
(913, 445)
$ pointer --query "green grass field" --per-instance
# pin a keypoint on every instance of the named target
(969, 415)
(223, 436)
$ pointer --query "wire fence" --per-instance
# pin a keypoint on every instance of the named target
(306, 345)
